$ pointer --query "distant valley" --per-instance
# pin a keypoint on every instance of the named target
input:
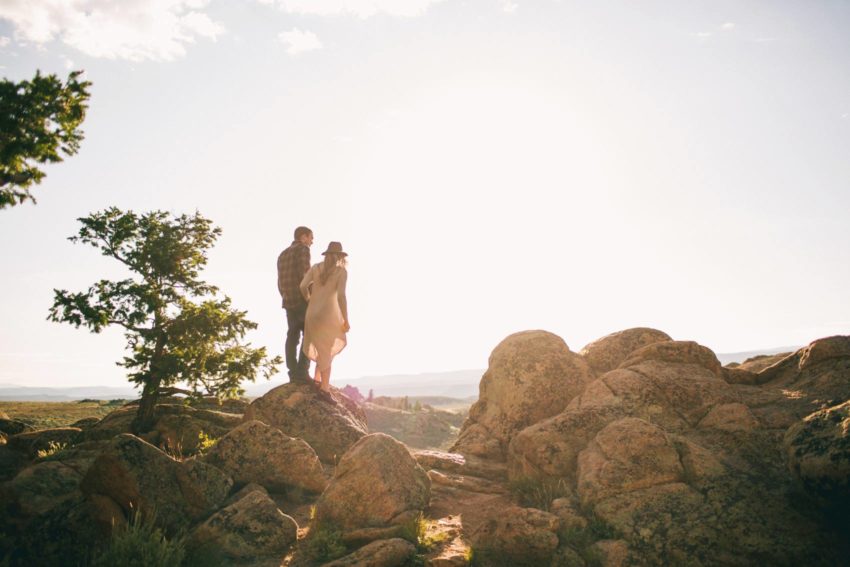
(458, 384)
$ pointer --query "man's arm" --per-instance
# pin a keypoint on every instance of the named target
(304, 259)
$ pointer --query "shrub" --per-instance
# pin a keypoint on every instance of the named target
(52, 448)
(141, 544)
(325, 544)
(538, 493)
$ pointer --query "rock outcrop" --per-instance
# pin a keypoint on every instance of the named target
(377, 485)
(673, 459)
(259, 453)
(531, 376)
(298, 410)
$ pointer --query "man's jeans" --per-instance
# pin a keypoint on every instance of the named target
(296, 361)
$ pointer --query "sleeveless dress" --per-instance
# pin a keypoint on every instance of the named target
(323, 334)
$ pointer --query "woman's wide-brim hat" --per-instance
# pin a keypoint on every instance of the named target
(334, 248)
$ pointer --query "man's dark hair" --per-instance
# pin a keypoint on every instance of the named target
(301, 231)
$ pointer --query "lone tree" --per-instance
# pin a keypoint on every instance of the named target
(38, 120)
(177, 328)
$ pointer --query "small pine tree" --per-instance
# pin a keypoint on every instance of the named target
(177, 328)
(371, 395)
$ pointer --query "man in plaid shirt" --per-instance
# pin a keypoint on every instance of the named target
(292, 264)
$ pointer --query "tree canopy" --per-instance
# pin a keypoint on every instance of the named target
(39, 121)
(178, 329)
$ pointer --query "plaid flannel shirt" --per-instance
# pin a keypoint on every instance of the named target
(292, 264)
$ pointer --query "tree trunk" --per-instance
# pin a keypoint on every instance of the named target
(145, 416)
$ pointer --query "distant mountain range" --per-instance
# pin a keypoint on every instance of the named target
(455, 384)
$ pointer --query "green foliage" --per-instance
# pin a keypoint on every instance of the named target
(39, 121)
(52, 448)
(141, 544)
(205, 442)
(325, 544)
(176, 326)
(538, 493)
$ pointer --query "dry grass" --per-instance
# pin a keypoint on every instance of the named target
(43, 415)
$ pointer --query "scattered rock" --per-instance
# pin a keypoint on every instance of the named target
(376, 484)
(611, 350)
(330, 428)
(251, 527)
(262, 454)
(381, 553)
(531, 376)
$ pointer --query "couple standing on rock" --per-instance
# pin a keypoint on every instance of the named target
(315, 303)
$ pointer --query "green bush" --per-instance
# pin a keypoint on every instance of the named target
(141, 544)
(325, 544)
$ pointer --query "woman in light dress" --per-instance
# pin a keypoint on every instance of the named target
(326, 323)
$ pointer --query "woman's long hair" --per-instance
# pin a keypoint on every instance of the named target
(330, 265)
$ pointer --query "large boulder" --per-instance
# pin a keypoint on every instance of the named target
(298, 410)
(135, 475)
(13, 426)
(626, 455)
(675, 352)
(11, 462)
(550, 449)
(250, 528)
(531, 376)
(518, 536)
(50, 481)
(259, 453)
(611, 350)
(43, 440)
(377, 484)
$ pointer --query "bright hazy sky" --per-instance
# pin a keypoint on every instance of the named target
(491, 166)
